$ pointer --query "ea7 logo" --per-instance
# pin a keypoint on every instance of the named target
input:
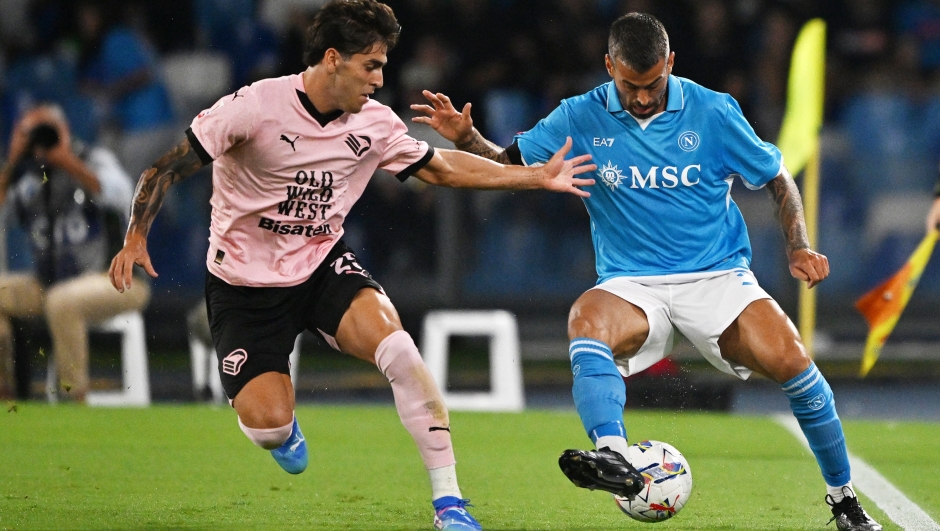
(603, 142)
(358, 144)
(232, 364)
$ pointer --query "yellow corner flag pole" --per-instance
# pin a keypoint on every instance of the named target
(882, 306)
(799, 143)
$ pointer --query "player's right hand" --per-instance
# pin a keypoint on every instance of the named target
(122, 265)
(444, 118)
(808, 265)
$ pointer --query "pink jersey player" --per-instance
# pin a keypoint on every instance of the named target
(285, 176)
(290, 157)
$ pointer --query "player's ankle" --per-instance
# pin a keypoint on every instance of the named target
(613, 442)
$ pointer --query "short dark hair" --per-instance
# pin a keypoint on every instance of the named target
(639, 40)
(351, 27)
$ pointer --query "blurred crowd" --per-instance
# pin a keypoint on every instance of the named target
(130, 74)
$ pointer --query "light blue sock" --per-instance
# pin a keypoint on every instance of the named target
(598, 390)
(814, 407)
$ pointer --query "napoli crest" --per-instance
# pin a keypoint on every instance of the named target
(611, 175)
(688, 141)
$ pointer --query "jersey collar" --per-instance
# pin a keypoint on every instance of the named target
(675, 100)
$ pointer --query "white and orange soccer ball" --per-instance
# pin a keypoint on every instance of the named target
(668, 482)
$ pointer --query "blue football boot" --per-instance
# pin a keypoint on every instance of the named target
(450, 515)
(292, 455)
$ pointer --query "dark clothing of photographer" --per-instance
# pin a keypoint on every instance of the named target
(71, 201)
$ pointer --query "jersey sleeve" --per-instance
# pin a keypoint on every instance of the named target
(403, 154)
(538, 144)
(744, 154)
(231, 121)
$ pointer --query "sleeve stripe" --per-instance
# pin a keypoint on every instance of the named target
(197, 147)
(410, 170)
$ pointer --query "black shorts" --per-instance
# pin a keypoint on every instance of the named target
(254, 328)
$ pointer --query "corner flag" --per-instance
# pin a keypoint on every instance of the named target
(799, 143)
(799, 134)
(883, 305)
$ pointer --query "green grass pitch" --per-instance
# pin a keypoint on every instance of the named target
(190, 467)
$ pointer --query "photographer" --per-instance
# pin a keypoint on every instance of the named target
(70, 199)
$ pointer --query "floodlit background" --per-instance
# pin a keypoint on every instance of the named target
(528, 252)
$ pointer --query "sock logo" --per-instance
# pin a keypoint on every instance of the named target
(575, 370)
(232, 364)
(817, 402)
(438, 428)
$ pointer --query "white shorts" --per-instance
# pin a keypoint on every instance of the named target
(699, 305)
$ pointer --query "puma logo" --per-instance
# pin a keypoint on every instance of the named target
(289, 141)
(296, 445)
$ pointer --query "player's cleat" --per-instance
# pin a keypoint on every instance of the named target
(602, 469)
(450, 514)
(849, 515)
(292, 455)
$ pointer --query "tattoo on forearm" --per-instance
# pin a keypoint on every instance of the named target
(484, 148)
(789, 208)
(174, 166)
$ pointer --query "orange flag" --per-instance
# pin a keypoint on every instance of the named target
(883, 305)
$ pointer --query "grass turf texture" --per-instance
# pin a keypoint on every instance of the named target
(189, 467)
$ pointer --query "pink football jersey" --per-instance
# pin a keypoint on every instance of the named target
(285, 176)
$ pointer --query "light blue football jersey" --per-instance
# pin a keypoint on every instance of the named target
(662, 202)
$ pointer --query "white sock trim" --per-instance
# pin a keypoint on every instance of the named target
(837, 492)
(444, 482)
(615, 443)
(267, 438)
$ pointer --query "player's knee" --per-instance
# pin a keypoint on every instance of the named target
(791, 362)
(586, 325)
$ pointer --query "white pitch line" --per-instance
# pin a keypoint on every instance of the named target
(899, 508)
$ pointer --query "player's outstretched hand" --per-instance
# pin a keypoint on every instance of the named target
(443, 117)
(560, 173)
(808, 265)
(122, 265)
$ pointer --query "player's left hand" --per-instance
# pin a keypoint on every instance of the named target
(443, 117)
(808, 265)
(560, 173)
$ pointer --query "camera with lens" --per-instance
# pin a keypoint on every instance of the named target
(44, 136)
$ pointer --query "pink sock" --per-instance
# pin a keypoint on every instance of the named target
(419, 402)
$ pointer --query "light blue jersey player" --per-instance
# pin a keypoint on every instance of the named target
(672, 251)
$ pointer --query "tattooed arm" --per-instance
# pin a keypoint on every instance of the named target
(174, 166)
(457, 127)
(805, 264)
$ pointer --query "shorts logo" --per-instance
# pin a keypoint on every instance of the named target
(688, 141)
(817, 402)
(611, 175)
(232, 364)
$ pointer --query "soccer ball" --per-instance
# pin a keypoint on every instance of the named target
(668, 482)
